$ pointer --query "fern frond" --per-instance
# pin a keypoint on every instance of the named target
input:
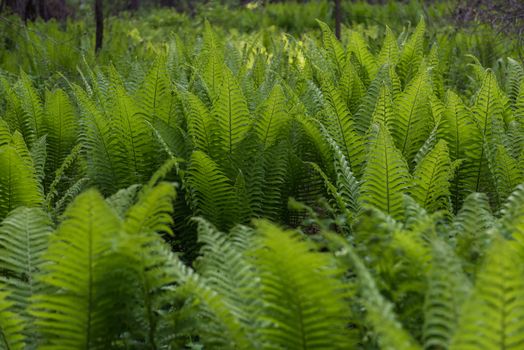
(358, 47)
(201, 126)
(379, 311)
(18, 184)
(212, 194)
(432, 178)
(386, 176)
(470, 229)
(412, 124)
(412, 54)
(487, 109)
(389, 52)
(11, 326)
(154, 95)
(32, 106)
(456, 128)
(341, 127)
(273, 117)
(231, 113)
(153, 211)
(506, 172)
(24, 236)
(135, 156)
(335, 50)
(61, 125)
(69, 313)
(310, 316)
(448, 289)
(493, 318)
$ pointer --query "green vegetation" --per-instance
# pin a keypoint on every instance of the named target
(198, 186)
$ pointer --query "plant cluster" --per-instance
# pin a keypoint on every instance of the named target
(148, 206)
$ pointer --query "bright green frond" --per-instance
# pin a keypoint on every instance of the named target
(69, 313)
(305, 306)
(231, 113)
(11, 325)
(432, 178)
(493, 317)
(386, 176)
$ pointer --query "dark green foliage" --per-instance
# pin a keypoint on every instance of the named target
(261, 191)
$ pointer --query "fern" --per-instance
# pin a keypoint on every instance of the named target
(341, 128)
(411, 126)
(155, 93)
(492, 318)
(312, 316)
(70, 313)
(379, 312)
(18, 184)
(487, 108)
(273, 118)
(363, 56)
(11, 326)
(212, 194)
(61, 125)
(24, 237)
(231, 113)
(412, 54)
(389, 53)
(432, 177)
(448, 289)
(386, 176)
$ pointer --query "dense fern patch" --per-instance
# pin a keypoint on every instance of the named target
(264, 194)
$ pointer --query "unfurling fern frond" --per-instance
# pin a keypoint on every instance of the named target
(432, 178)
(386, 176)
(493, 317)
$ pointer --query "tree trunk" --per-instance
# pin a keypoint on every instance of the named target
(99, 20)
(134, 5)
(338, 18)
(42, 10)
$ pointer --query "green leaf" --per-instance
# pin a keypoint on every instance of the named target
(70, 314)
(432, 178)
(386, 177)
(493, 317)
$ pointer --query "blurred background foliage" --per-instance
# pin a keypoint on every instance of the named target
(58, 35)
